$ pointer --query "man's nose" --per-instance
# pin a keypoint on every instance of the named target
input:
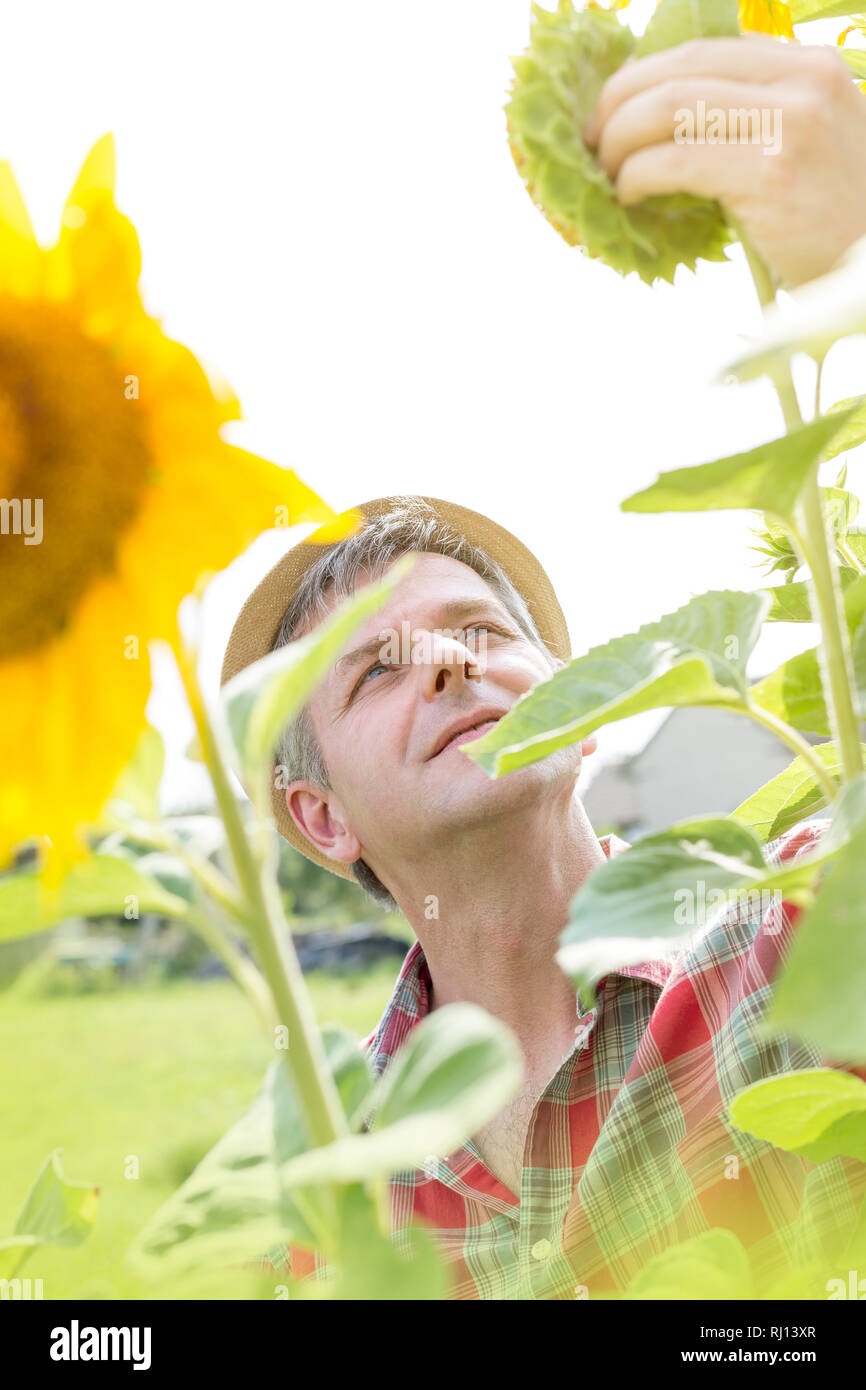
(448, 663)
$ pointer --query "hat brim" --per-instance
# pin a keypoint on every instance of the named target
(258, 622)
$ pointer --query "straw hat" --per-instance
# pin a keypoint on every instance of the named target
(259, 620)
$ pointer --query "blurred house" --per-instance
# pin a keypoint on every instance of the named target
(699, 761)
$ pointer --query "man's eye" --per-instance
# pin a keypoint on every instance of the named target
(482, 627)
(380, 666)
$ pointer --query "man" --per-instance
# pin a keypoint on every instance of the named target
(616, 1145)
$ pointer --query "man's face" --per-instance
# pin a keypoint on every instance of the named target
(390, 729)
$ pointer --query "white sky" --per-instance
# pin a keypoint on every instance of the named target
(329, 213)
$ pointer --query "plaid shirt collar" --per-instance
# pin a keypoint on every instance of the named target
(410, 1000)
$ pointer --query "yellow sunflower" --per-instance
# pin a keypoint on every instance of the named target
(761, 16)
(116, 494)
(767, 17)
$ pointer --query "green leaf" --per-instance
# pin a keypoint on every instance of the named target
(804, 11)
(371, 1267)
(351, 1070)
(713, 1265)
(99, 886)
(695, 656)
(453, 1073)
(819, 1114)
(55, 1212)
(853, 431)
(790, 602)
(794, 691)
(675, 21)
(854, 57)
(768, 478)
(840, 509)
(791, 797)
(856, 544)
(819, 995)
(263, 698)
(651, 899)
(234, 1206)
(557, 81)
(138, 784)
(816, 316)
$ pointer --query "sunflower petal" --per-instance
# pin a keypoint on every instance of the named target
(96, 263)
(20, 256)
(97, 173)
(205, 509)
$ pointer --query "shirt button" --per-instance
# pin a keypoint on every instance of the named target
(541, 1249)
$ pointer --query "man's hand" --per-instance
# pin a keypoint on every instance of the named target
(802, 206)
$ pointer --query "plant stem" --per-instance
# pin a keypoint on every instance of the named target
(825, 594)
(305, 1057)
(796, 742)
(818, 375)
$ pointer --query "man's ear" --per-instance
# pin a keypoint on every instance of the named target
(321, 818)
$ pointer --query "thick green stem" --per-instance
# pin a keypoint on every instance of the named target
(819, 556)
(837, 669)
(305, 1056)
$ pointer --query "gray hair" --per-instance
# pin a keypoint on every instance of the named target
(411, 525)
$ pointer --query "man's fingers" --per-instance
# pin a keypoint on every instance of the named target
(750, 58)
(708, 171)
(654, 115)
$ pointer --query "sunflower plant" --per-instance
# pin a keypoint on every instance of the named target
(697, 655)
(121, 498)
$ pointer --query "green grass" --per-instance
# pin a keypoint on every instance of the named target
(158, 1073)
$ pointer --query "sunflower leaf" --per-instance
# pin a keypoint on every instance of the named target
(55, 1212)
(819, 1114)
(233, 1205)
(768, 478)
(790, 602)
(794, 691)
(675, 21)
(712, 1265)
(791, 797)
(453, 1073)
(819, 994)
(652, 899)
(695, 656)
(804, 11)
(816, 316)
(853, 431)
(103, 885)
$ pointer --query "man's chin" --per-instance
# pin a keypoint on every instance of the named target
(467, 789)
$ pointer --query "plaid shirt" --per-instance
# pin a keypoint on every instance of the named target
(628, 1149)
